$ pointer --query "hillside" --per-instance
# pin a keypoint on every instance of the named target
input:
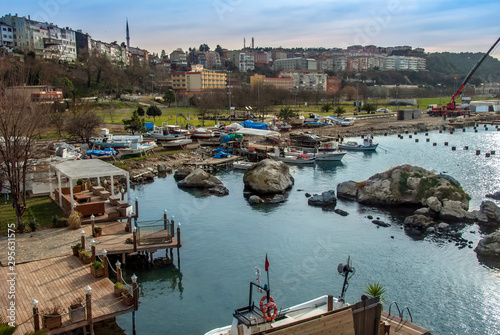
(459, 65)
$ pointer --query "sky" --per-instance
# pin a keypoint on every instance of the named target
(155, 25)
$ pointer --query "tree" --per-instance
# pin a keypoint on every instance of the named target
(153, 111)
(169, 97)
(349, 91)
(339, 111)
(369, 108)
(219, 50)
(327, 107)
(204, 47)
(140, 111)
(134, 124)
(21, 121)
(286, 113)
(82, 122)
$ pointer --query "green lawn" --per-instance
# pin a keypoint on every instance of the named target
(41, 209)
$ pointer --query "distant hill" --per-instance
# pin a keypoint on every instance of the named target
(459, 65)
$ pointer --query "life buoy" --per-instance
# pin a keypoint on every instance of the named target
(371, 141)
(266, 309)
(327, 145)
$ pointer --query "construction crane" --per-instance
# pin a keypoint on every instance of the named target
(451, 109)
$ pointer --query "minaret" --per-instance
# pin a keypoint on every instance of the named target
(128, 37)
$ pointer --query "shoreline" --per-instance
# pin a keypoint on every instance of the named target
(145, 170)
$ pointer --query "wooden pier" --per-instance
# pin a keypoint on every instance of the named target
(211, 164)
(57, 282)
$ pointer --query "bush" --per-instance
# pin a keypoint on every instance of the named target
(97, 265)
(74, 220)
(77, 246)
(119, 286)
(33, 225)
(80, 182)
(21, 227)
(84, 253)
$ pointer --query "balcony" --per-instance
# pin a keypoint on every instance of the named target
(51, 41)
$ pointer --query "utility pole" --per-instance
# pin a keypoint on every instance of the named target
(229, 88)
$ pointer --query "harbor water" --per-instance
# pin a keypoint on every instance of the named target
(447, 289)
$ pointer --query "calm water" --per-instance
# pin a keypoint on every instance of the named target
(447, 290)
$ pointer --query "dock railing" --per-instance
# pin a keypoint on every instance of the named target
(155, 233)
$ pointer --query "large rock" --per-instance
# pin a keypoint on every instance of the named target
(200, 179)
(255, 200)
(182, 173)
(489, 213)
(420, 222)
(495, 195)
(268, 177)
(489, 246)
(434, 204)
(325, 199)
(452, 211)
(404, 185)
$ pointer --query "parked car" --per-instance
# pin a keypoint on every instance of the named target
(348, 121)
(385, 110)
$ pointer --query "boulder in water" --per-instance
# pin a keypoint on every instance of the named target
(325, 199)
(268, 177)
(200, 179)
(489, 246)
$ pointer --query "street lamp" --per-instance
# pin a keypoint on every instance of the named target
(175, 97)
(152, 91)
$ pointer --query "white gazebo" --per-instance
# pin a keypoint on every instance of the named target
(88, 168)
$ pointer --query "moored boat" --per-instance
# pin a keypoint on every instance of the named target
(107, 140)
(242, 165)
(137, 149)
(201, 133)
(176, 144)
(297, 159)
(168, 132)
(367, 145)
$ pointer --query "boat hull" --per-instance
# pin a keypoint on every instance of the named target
(293, 160)
(372, 147)
(176, 144)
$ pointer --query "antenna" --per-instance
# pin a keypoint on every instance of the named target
(345, 270)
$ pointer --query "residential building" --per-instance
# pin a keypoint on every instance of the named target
(59, 43)
(117, 53)
(6, 36)
(365, 62)
(296, 63)
(38, 93)
(198, 80)
(209, 59)
(278, 54)
(259, 81)
(331, 63)
(178, 59)
(307, 79)
(140, 55)
(243, 60)
(261, 57)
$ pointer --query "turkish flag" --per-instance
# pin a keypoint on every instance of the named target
(267, 263)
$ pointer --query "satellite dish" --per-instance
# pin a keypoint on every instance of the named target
(340, 268)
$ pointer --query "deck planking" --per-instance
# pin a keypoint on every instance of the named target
(58, 282)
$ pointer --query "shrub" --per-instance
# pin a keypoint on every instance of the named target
(80, 182)
(74, 220)
(97, 265)
(33, 225)
(119, 285)
(84, 253)
(21, 227)
(77, 246)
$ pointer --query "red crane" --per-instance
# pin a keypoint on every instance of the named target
(451, 107)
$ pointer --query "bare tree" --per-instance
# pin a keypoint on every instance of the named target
(82, 122)
(21, 121)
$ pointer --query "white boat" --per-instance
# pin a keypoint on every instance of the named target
(168, 132)
(242, 165)
(329, 151)
(213, 141)
(297, 159)
(107, 140)
(367, 145)
(201, 133)
(136, 149)
(176, 144)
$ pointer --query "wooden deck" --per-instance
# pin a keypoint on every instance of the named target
(58, 282)
(402, 327)
(214, 163)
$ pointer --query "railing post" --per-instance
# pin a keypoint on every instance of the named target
(172, 225)
(92, 219)
(36, 316)
(136, 207)
(129, 222)
(82, 239)
(118, 272)
(165, 219)
(88, 302)
(105, 263)
(135, 291)
(93, 250)
(330, 303)
(179, 236)
(134, 233)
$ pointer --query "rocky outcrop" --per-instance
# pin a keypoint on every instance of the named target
(325, 199)
(489, 246)
(495, 195)
(201, 179)
(452, 211)
(418, 221)
(489, 214)
(182, 172)
(268, 177)
(404, 185)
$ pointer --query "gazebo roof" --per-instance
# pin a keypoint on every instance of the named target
(88, 168)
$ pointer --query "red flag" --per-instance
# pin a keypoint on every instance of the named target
(267, 264)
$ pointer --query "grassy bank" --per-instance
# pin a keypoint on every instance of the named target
(40, 209)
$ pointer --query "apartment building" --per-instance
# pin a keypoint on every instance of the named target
(331, 63)
(6, 36)
(243, 60)
(258, 81)
(209, 59)
(37, 93)
(178, 59)
(307, 79)
(198, 80)
(296, 63)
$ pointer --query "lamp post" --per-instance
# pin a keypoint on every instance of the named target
(229, 93)
(152, 90)
(175, 98)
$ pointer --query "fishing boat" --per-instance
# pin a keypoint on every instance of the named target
(201, 133)
(213, 141)
(107, 140)
(242, 165)
(367, 145)
(176, 144)
(107, 152)
(329, 151)
(298, 159)
(137, 149)
(322, 315)
(168, 132)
